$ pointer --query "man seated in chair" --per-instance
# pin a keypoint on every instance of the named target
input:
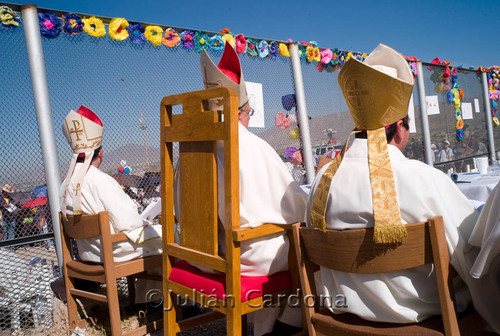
(374, 185)
(87, 190)
(268, 193)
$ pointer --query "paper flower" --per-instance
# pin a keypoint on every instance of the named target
(460, 134)
(154, 34)
(228, 38)
(136, 33)
(273, 49)
(187, 37)
(282, 121)
(241, 44)
(303, 50)
(458, 114)
(251, 47)
(348, 56)
(450, 96)
(342, 58)
(309, 54)
(316, 54)
(289, 151)
(284, 50)
(50, 25)
(297, 158)
(8, 18)
(200, 40)
(495, 120)
(72, 24)
(294, 134)
(460, 124)
(326, 56)
(171, 38)
(94, 27)
(438, 88)
(118, 29)
(263, 49)
(225, 31)
(216, 42)
(335, 59)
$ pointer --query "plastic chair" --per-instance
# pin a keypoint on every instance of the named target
(89, 226)
(197, 130)
(354, 251)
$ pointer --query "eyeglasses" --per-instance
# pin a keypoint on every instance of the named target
(250, 112)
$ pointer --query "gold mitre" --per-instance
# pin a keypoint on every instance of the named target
(227, 74)
(378, 90)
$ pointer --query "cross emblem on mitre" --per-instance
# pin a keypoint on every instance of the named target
(355, 93)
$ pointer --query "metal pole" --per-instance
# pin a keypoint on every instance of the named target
(302, 112)
(489, 125)
(423, 115)
(44, 117)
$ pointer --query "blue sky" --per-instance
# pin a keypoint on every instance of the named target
(462, 32)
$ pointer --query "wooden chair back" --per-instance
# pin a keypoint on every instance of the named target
(354, 251)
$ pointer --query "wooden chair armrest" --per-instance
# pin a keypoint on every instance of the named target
(241, 234)
(118, 237)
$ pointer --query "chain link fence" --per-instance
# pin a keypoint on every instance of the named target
(124, 84)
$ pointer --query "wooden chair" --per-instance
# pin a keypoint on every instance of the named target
(89, 226)
(197, 130)
(354, 251)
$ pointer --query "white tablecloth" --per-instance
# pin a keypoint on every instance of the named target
(475, 186)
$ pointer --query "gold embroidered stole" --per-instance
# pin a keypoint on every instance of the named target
(387, 217)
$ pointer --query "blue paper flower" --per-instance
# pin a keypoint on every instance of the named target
(136, 33)
(303, 51)
(72, 24)
(274, 49)
(450, 96)
(251, 47)
(50, 25)
(216, 42)
(263, 49)
(460, 134)
(200, 40)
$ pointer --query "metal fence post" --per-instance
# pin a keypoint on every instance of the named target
(487, 110)
(44, 117)
(302, 112)
(423, 115)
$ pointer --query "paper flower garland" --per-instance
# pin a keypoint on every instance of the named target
(8, 18)
(216, 43)
(154, 34)
(171, 38)
(118, 29)
(50, 25)
(200, 40)
(187, 37)
(94, 27)
(251, 47)
(136, 33)
(241, 44)
(72, 24)
(229, 38)
(263, 49)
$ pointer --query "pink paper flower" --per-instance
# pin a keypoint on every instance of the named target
(326, 56)
(297, 158)
(282, 121)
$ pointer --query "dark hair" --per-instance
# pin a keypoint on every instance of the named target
(94, 156)
(389, 131)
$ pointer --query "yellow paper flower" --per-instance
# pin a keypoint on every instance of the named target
(229, 38)
(349, 55)
(154, 34)
(171, 38)
(316, 54)
(284, 50)
(118, 29)
(94, 27)
(310, 53)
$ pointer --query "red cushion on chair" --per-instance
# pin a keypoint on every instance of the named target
(215, 285)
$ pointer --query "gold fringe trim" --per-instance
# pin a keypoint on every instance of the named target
(318, 220)
(389, 234)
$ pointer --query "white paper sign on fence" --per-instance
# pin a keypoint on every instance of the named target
(256, 100)
(432, 105)
(467, 111)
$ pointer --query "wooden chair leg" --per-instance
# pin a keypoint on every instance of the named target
(114, 308)
(169, 315)
(131, 289)
(71, 302)
(233, 323)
